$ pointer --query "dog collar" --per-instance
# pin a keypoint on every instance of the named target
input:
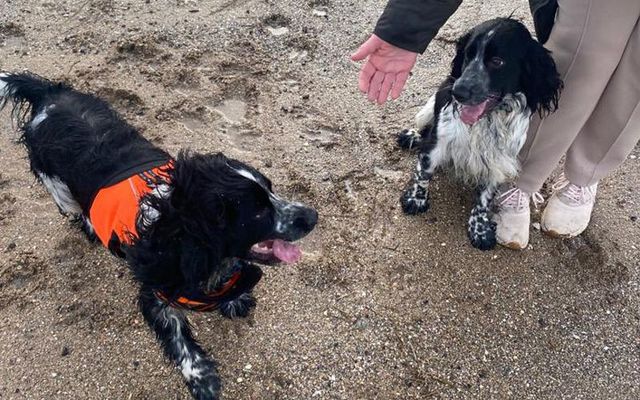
(241, 281)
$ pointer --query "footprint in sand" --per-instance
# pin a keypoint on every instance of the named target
(233, 111)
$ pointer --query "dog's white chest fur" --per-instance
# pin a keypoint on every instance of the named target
(486, 152)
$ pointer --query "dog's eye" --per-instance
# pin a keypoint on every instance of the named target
(496, 62)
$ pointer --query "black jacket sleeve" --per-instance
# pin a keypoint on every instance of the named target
(544, 15)
(412, 24)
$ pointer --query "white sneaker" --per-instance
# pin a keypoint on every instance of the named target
(513, 217)
(569, 209)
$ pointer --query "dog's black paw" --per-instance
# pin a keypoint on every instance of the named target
(415, 200)
(482, 231)
(238, 307)
(409, 139)
(485, 241)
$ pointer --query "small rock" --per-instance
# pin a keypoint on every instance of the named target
(319, 13)
(240, 380)
(53, 374)
(361, 324)
(65, 351)
(349, 190)
(536, 225)
(388, 173)
(283, 30)
(633, 156)
(633, 218)
(248, 367)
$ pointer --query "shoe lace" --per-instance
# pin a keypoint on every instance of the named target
(515, 198)
(574, 193)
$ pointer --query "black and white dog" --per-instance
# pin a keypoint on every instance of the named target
(188, 227)
(477, 121)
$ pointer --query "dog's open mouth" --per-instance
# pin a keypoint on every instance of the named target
(471, 113)
(273, 251)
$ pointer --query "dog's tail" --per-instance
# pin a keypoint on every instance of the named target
(26, 90)
(174, 334)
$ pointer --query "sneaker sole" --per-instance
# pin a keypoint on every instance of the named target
(558, 235)
(513, 246)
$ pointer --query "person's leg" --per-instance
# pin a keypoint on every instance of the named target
(587, 43)
(613, 129)
(604, 142)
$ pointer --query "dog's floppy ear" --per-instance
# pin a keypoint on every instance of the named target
(200, 215)
(458, 60)
(541, 82)
(198, 261)
(200, 245)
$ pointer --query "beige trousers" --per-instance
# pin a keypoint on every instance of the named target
(596, 46)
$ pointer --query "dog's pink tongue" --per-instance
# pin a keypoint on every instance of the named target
(471, 114)
(286, 252)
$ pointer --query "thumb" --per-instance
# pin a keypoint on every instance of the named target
(368, 47)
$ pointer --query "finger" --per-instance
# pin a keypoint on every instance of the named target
(385, 88)
(398, 85)
(366, 73)
(366, 48)
(374, 87)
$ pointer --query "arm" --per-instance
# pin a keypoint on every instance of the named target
(405, 29)
(544, 15)
(412, 24)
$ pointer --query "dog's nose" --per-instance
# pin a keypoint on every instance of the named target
(306, 220)
(461, 91)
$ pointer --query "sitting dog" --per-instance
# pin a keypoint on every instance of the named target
(477, 121)
(188, 227)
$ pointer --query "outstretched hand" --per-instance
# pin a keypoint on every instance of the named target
(386, 70)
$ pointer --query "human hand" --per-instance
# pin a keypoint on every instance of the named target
(386, 70)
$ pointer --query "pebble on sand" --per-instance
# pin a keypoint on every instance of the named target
(283, 30)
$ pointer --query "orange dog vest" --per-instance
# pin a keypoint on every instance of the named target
(115, 208)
